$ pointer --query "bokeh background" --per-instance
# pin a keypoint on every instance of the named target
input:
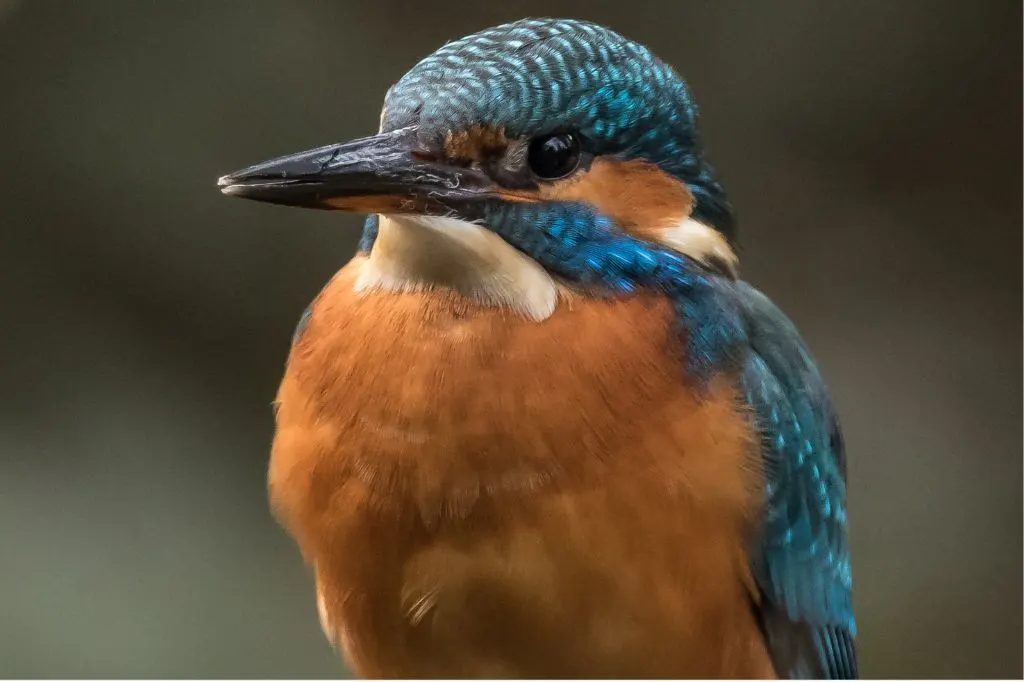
(872, 149)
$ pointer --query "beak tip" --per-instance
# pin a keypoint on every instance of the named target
(230, 186)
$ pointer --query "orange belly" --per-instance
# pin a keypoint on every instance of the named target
(483, 496)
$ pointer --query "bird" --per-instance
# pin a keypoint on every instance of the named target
(539, 426)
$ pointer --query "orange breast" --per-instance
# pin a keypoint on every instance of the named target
(480, 495)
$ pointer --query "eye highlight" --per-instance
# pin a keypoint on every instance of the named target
(554, 156)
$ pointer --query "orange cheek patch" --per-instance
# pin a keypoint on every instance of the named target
(639, 196)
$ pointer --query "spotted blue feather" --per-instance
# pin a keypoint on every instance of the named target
(803, 563)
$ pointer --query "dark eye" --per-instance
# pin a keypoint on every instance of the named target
(554, 156)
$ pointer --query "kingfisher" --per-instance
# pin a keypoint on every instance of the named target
(538, 426)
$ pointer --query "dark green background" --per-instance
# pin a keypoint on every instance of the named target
(872, 150)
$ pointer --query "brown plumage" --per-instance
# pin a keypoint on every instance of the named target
(480, 495)
(640, 197)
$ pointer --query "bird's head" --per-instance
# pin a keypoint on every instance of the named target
(537, 151)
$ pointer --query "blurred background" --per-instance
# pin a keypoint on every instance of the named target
(872, 149)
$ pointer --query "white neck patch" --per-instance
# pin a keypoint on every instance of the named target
(416, 253)
(700, 242)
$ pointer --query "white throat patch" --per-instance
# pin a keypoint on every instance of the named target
(414, 253)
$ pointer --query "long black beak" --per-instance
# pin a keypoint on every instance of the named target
(386, 173)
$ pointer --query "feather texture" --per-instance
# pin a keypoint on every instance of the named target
(450, 469)
(801, 561)
(484, 495)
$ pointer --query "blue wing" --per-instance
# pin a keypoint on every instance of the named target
(801, 561)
